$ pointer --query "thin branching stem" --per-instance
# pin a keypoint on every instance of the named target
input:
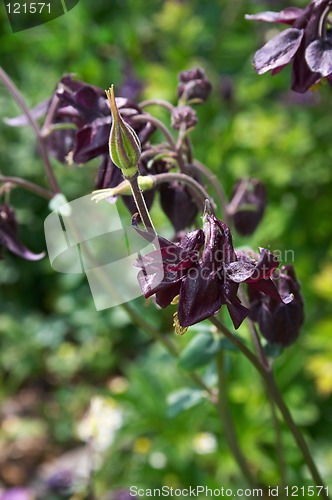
(227, 421)
(43, 150)
(275, 393)
(29, 186)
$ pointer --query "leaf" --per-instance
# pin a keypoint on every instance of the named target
(183, 399)
(199, 352)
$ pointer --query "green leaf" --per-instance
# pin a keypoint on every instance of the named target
(199, 352)
(183, 399)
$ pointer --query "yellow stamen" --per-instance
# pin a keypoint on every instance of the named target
(179, 330)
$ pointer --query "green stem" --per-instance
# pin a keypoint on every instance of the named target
(156, 102)
(140, 203)
(278, 399)
(227, 420)
(198, 191)
(214, 181)
(151, 119)
(29, 186)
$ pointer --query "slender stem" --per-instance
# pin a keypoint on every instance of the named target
(156, 102)
(198, 191)
(29, 186)
(45, 130)
(278, 399)
(151, 119)
(213, 179)
(226, 418)
(279, 443)
(20, 101)
(140, 203)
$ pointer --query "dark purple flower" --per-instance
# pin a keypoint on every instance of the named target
(247, 205)
(279, 322)
(194, 85)
(9, 235)
(61, 481)
(307, 44)
(86, 107)
(204, 270)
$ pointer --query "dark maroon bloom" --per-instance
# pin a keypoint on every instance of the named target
(9, 235)
(247, 205)
(307, 44)
(87, 108)
(279, 322)
(205, 271)
(194, 84)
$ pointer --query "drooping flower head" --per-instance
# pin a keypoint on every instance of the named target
(307, 45)
(279, 322)
(205, 272)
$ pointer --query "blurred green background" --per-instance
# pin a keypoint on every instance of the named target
(57, 353)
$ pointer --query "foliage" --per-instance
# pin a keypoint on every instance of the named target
(52, 339)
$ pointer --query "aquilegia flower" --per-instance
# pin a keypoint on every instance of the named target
(205, 272)
(279, 323)
(307, 45)
(9, 235)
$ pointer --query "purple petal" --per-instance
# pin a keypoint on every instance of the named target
(278, 51)
(36, 112)
(269, 288)
(9, 237)
(92, 140)
(319, 57)
(200, 297)
(237, 312)
(286, 16)
(178, 205)
(165, 297)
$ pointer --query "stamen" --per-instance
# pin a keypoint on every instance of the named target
(179, 330)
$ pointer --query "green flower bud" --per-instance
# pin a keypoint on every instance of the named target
(124, 145)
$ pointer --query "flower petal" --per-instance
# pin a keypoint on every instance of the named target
(200, 297)
(319, 57)
(278, 51)
(286, 16)
(9, 236)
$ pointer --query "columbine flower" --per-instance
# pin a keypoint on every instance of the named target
(307, 44)
(247, 205)
(204, 270)
(279, 322)
(9, 237)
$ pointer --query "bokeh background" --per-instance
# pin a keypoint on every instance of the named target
(68, 372)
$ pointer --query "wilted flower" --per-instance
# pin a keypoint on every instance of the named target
(194, 84)
(204, 270)
(307, 44)
(247, 205)
(279, 322)
(9, 235)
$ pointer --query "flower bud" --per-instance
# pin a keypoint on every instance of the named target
(124, 145)
(194, 84)
(247, 205)
(279, 323)
(183, 115)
